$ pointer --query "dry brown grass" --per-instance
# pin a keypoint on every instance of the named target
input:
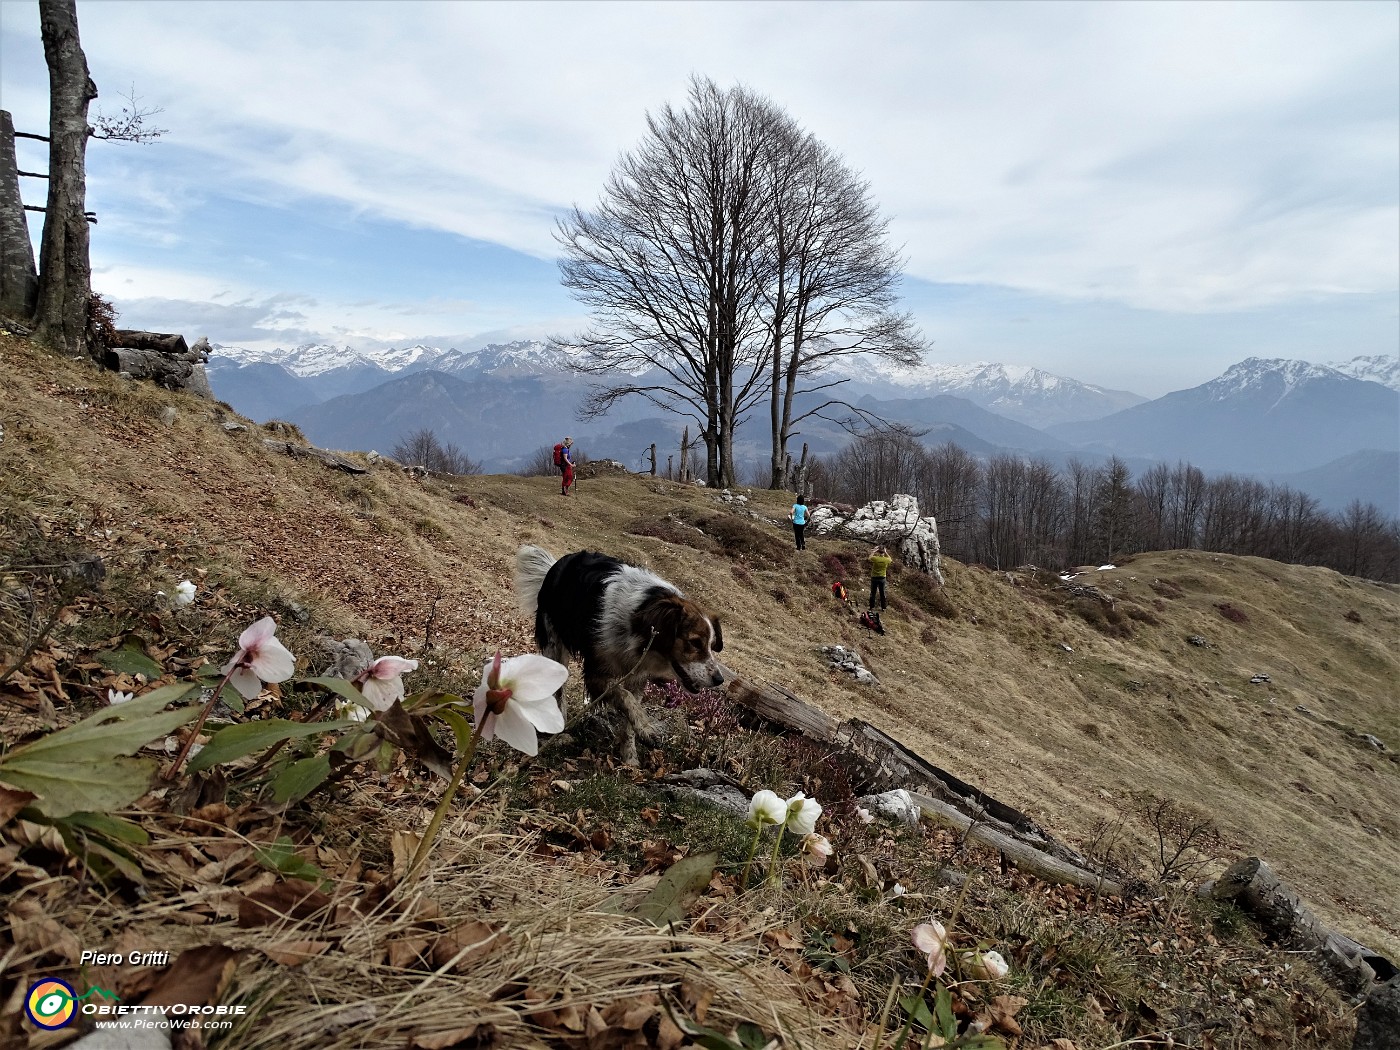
(988, 694)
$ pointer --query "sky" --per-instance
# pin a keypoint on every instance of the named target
(1136, 195)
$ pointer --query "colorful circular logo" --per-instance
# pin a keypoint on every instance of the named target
(51, 1003)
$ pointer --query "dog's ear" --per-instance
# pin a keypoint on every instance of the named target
(664, 615)
(718, 644)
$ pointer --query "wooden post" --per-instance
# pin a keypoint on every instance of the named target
(802, 473)
(685, 455)
(669, 461)
(653, 459)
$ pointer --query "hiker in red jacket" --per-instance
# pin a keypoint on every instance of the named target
(564, 460)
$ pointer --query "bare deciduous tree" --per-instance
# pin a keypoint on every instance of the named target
(832, 290)
(731, 258)
(422, 448)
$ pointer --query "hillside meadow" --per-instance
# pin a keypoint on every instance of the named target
(1067, 706)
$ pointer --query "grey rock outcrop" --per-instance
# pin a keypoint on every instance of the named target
(896, 523)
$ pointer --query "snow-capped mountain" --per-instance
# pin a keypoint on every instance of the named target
(1264, 415)
(1266, 378)
(1377, 368)
(1018, 392)
(519, 358)
(309, 359)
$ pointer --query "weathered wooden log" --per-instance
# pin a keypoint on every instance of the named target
(161, 342)
(884, 764)
(330, 459)
(1021, 854)
(1286, 918)
(777, 705)
(172, 371)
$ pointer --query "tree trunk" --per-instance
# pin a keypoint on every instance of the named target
(19, 280)
(65, 274)
(1252, 885)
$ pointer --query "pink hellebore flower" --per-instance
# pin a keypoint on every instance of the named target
(381, 683)
(929, 938)
(516, 698)
(260, 658)
(816, 848)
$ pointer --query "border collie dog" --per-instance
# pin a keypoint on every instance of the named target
(629, 625)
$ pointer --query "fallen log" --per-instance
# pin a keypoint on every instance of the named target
(885, 764)
(1286, 918)
(1021, 854)
(160, 342)
(329, 459)
(777, 705)
(170, 370)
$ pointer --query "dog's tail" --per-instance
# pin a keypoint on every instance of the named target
(532, 564)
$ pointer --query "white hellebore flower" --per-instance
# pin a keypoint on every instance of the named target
(802, 814)
(866, 817)
(929, 938)
(381, 683)
(985, 966)
(115, 696)
(816, 848)
(351, 710)
(184, 593)
(260, 658)
(516, 698)
(766, 807)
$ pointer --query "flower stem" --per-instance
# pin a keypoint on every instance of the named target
(179, 764)
(748, 861)
(425, 844)
(773, 875)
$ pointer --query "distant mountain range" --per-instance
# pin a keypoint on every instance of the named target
(1330, 429)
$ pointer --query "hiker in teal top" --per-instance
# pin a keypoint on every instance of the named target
(798, 517)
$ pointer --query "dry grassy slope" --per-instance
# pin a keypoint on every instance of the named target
(990, 695)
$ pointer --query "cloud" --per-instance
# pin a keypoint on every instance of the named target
(1115, 151)
(1201, 159)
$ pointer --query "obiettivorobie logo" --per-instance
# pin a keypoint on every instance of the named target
(52, 1003)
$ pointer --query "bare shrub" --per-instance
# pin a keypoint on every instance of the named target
(422, 448)
(1187, 840)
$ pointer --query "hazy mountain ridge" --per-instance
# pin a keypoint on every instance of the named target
(1271, 417)
(1267, 416)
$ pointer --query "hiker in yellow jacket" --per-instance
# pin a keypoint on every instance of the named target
(879, 566)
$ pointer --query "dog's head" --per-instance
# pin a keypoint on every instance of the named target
(686, 636)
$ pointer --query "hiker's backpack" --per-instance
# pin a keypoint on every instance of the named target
(872, 621)
(839, 589)
(559, 454)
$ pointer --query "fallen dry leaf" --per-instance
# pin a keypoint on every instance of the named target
(404, 844)
(197, 976)
(12, 800)
(292, 900)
